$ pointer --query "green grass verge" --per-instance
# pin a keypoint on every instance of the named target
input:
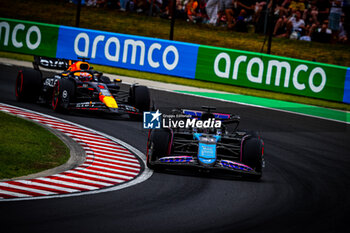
(27, 148)
(202, 84)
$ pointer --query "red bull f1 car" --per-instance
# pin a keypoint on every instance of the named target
(224, 149)
(79, 87)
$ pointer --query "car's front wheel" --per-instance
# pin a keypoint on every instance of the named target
(253, 148)
(157, 146)
(62, 95)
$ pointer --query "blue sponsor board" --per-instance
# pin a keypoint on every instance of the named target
(346, 96)
(127, 51)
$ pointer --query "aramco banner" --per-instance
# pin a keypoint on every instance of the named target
(273, 73)
(213, 64)
(129, 52)
(28, 37)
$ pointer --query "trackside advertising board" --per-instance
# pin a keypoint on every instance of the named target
(274, 73)
(127, 51)
(213, 64)
(28, 37)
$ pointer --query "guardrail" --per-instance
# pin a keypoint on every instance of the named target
(213, 64)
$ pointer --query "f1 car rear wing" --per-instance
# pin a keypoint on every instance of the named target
(220, 116)
(196, 114)
(226, 118)
(51, 63)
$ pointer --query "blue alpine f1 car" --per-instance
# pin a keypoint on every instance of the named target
(220, 147)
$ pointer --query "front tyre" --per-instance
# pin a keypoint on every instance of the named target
(157, 146)
(253, 149)
(63, 93)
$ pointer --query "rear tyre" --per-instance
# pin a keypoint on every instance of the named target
(158, 146)
(63, 93)
(28, 85)
(105, 80)
(252, 155)
(139, 97)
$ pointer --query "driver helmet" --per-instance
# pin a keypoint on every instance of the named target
(80, 66)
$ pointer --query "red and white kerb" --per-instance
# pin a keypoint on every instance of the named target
(107, 162)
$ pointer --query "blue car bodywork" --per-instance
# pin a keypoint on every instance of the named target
(214, 149)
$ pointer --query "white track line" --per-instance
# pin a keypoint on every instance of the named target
(13, 194)
(97, 177)
(39, 191)
(32, 182)
(113, 170)
(61, 182)
(113, 161)
(112, 166)
(105, 173)
(83, 180)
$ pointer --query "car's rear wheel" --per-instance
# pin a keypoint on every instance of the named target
(157, 146)
(105, 80)
(28, 85)
(252, 155)
(63, 93)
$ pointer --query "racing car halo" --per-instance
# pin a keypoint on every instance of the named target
(79, 87)
(224, 149)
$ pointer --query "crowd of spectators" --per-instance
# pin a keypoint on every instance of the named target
(316, 20)
(325, 21)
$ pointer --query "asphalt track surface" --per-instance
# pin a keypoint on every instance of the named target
(305, 186)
